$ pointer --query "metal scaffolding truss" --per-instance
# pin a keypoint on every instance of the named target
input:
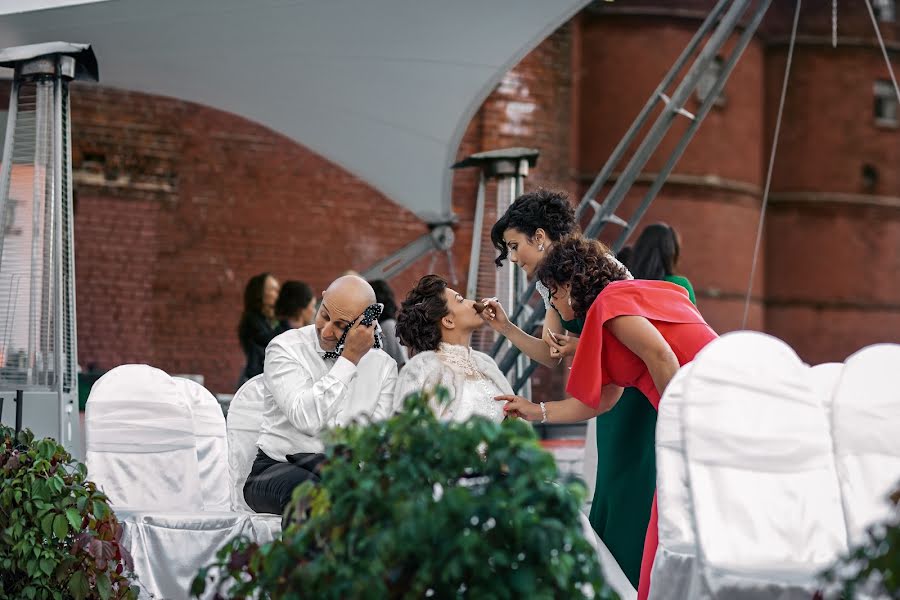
(707, 43)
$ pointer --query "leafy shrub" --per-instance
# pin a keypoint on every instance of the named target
(872, 569)
(415, 508)
(58, 537)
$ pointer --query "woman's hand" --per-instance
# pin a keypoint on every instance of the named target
(561, 345)
(517, 407)
(494, 315)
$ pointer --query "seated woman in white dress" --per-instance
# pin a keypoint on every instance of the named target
(435, 323)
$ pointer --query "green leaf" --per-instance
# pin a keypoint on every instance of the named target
(100, 509)
(60, 526)
(55, 483)
(74, 518)
(104, 586)
(47, 525)
(78, 585)
(47, 566)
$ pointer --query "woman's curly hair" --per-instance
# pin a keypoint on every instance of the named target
(584, 263)
(541, 209)
(419, 319)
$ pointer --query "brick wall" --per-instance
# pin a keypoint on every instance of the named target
(178, 205)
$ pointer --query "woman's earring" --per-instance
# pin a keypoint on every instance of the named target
(541, 247)
(569, 300)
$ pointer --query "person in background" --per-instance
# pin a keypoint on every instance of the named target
(258, 324)
(655, 256)
(296, 305)
(388, 321)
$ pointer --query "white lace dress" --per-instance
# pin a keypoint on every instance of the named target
(471, 377)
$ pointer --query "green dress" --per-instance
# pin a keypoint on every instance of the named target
(626, 469)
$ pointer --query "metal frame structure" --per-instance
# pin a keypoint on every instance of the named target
(45, 385)
(718, 26)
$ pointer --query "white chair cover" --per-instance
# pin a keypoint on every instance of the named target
(866, 425)
(169, 548)
(761, 473)
(243, 423)
(675, 574)
(142, 451)
(140, 441)
(824, 379)
(211, 443)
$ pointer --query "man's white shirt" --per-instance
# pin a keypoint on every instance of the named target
(307, 394)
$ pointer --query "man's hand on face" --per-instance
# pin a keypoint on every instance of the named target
(360, 340)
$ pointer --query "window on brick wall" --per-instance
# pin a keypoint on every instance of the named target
(885, 103)
(708, 79)
(885, 10)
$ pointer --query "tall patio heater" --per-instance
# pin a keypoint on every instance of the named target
(38, 355)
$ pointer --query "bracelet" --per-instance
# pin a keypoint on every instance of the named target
(543, 413)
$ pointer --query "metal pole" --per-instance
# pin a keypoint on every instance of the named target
(19, 403)
(472, 281)
(70, 242)
(57, 274)
(6, 170)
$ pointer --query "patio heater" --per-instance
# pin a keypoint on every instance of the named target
(38, 355)
(507, 168)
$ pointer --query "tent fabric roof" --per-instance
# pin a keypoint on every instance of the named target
(384, 88)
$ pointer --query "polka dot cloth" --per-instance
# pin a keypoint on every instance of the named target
(368, 317)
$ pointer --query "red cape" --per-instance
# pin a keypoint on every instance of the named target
(663, 304)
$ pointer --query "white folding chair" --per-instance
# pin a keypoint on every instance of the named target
(866, 424)
(761, 474)
(675, 574)
(211, 443)
(243, 424)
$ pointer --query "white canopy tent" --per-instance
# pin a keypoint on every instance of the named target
(385, 88)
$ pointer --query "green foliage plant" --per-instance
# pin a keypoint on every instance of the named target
(871, 569)
(413, 507)
(59, 540)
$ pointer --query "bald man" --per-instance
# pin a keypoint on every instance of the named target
(308, 393)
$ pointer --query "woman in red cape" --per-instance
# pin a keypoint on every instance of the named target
(637, 333)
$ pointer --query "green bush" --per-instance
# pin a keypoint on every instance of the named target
(416, 508)
(872, 569)
(58, 537)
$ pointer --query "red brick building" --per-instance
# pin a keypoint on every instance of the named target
(179, 204)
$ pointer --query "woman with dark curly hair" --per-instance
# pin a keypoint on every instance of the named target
(436, 323)
(523, 235)
(637, 333)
